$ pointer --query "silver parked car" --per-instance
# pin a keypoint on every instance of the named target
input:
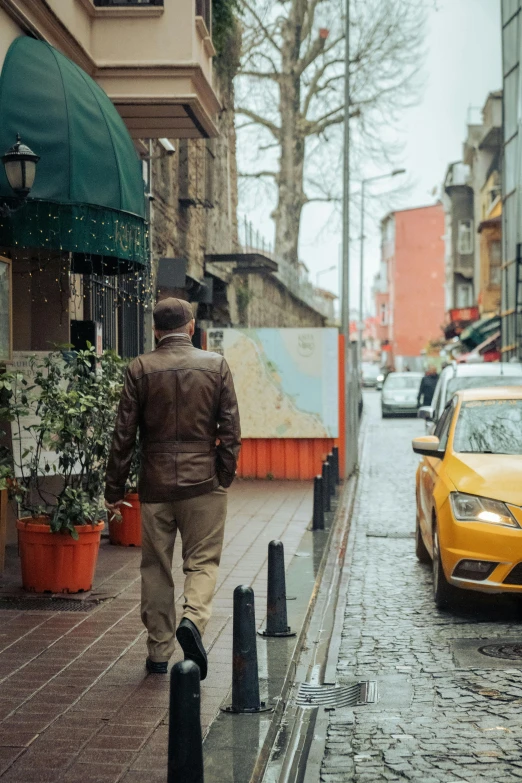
(400, 393)
(468, 376)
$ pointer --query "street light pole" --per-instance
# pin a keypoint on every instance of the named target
(323, 272)
(351, 394)
(360, 329)
(360, 326)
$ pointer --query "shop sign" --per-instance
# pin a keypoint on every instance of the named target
(464, 314)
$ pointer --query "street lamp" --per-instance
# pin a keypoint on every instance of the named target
(323, 272)
(20, 169)
(365, 182)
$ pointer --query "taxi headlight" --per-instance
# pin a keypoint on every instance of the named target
(472, 508)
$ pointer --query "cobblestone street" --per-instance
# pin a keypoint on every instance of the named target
(445, 711)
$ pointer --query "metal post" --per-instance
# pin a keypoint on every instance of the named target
(335, 452)
(276, 618)
(326, 486)
(318, 517)
(245, 679)
(331, 464)
(185, 749)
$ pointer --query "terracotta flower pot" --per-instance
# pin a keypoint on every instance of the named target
(55, 562)
(127, 530)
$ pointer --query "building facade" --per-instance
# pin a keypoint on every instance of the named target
(409, 290)
(135, 195)
(482, 153)
(511, 285)
(459, 236)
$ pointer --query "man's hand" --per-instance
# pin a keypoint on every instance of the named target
(114, 507)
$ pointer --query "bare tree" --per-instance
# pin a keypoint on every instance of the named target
(290, 93)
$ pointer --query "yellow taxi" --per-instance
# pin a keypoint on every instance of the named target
(469, 495)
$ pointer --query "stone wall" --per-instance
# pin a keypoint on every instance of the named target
(263, 301)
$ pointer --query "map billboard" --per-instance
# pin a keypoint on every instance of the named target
(286, 380)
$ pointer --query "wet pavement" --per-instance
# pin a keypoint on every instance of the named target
(75, 703)
(446, 712)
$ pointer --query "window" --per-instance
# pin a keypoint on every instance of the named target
(464, 295)
(443, 426)
(203, 9)
(490, 427)
(383, 314)
(465, 237)
(5, 309)
(127, 2)
(495, 261)
(196, 173)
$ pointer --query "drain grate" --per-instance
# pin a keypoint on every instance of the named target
(327, 696)
(46, 605)
(509, 651)
(380, 534)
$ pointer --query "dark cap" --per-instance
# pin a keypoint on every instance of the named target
(172, 313)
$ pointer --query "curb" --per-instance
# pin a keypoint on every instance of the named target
(339, 529)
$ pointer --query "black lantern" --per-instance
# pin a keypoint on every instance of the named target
(20, 167)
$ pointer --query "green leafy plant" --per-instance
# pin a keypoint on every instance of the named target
(226, 36)
(72, 401)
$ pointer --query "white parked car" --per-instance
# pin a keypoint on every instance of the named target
(400, 393)
(468, 376)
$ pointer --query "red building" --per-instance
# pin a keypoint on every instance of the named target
(409, 289)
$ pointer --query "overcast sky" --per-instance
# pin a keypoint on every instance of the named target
(463, 64)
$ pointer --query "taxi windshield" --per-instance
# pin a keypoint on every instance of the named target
(489, 427)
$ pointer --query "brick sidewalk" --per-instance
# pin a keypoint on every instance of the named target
(75, 702)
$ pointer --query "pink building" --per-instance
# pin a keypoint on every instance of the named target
(409, 289)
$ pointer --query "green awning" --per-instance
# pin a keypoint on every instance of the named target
(88, 195)
(479, 331)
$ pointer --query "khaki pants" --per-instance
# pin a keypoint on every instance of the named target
(201, 523)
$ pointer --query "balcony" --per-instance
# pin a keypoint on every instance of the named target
(153, 59)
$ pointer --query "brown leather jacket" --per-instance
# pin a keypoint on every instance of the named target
(183, 401)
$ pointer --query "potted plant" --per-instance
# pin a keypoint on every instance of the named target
(125, 527)
(62, 424)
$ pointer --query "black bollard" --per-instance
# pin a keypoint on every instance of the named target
(245, 680)
(326, 486)
(185, 753)
(318, 517)
(276, 619)
(335, 452)
(330, 461)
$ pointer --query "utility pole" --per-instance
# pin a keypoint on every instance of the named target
(360, 329)
(351, 381)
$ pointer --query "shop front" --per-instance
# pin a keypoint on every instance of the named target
(75, 247)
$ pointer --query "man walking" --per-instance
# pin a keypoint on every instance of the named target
(427, 386)
(184, 404)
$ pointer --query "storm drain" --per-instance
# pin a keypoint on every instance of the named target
(327, 696)
(46, 605)
(509, 651)
(381, 534)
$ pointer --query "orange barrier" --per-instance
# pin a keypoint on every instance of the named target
(294, 458)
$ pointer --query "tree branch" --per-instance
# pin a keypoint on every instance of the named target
(314, 88)
(258, 120)
(257, 174)
(260, 75)
(268, 35)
